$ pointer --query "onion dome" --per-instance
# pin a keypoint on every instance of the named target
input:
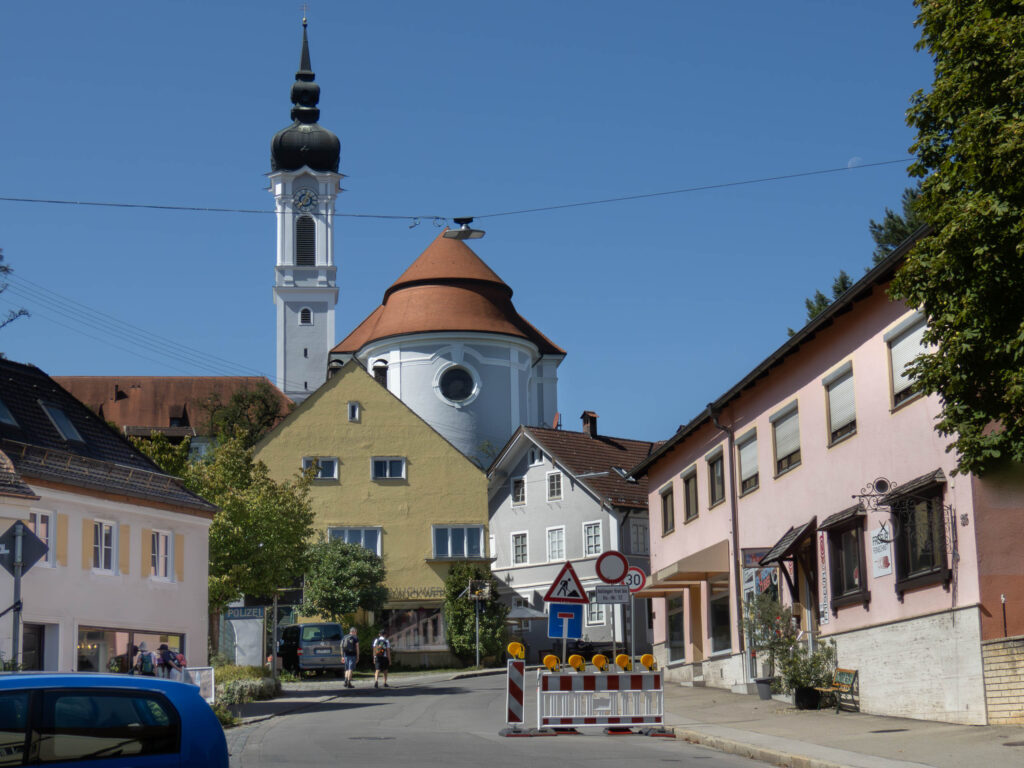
(304, 142)
(447, 289)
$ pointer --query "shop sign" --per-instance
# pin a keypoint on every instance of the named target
(823, 612)
(881, 554)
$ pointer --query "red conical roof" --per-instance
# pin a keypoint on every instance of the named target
(448, 288)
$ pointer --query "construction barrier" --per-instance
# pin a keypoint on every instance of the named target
(516, 687)
(599, 699)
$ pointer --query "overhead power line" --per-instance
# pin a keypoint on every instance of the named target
(437, 219)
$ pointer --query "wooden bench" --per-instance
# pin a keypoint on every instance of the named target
(843, 682)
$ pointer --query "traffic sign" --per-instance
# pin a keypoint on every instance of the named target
(610, 594)
(32, 548)
(565, 621)
(567, 588)
(635, 579)
(611, 567)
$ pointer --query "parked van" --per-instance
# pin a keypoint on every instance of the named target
(311, 647)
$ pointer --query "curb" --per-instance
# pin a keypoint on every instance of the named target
(771, 756)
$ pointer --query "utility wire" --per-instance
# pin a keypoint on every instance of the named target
(436, 219)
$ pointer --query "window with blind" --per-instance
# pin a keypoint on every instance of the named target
(668, 511)
(904, 346)
(747, 449)
(786, 434)
(690, 496)
(842, 415)
(305, 241)
(716, 479)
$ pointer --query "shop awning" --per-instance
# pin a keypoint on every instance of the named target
(833, 521)
(916, 486)
(790, 542)
(688, 571)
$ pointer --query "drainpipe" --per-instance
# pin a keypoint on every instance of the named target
(734, 515)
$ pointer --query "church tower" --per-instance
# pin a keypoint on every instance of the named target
(305, 182)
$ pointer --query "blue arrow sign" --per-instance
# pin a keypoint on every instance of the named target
(565, 620)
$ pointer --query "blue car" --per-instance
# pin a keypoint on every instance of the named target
(106, 720)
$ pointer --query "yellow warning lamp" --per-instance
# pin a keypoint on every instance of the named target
(623, 662)
(516, 650)
(577, 662)
(600, 661)
(551, 662)
(647, 660)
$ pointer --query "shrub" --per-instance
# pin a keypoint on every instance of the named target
(244, 690)
(804, 669)
(230, 672)
(224, 715)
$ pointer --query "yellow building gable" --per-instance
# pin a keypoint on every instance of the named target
(412, 493)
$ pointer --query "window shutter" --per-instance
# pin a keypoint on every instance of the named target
(748, 459)
(840, 402)
(147, 553)
(87, 541)
(305, 241)
(903, 350)
(787, 435)
(179, 557)
(124, 548)
(62, 539)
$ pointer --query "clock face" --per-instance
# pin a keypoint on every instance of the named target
(304, 199)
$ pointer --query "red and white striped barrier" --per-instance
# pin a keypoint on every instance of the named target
(516, 687)
(599, 699)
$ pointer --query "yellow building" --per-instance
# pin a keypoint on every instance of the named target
(388, 481)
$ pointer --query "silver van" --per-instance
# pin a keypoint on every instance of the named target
(311, 647)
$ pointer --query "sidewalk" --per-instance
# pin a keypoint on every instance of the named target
(777, 733)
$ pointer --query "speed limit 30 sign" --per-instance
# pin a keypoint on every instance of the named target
(635, 579)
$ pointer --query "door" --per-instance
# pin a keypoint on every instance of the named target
(32, 653)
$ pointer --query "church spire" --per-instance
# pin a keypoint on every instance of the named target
(305, 92)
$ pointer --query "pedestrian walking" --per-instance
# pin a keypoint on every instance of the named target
(350, 649)
(145, 664)
(168, 663)
(381, 658)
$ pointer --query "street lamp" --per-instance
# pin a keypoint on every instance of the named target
(464, 232)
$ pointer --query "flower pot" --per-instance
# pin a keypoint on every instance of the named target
(764, 688)
(806, 698)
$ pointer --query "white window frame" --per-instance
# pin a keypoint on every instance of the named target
(512, 491)
(388, 460)
(48, 560)
(355, 411)
(547, 485)
(339, 531)
(308, 461)
(640, 531)
(450, 527)
(97, 550)
(742, 442)
(156, 536)
(526, 547)
(596, 615)
(547, 536)
(600, 538)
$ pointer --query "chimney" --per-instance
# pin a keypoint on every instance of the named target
(589, 423)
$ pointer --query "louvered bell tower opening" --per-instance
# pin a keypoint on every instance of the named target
(305, 242)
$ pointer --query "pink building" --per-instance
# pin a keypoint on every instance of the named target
(820, 474)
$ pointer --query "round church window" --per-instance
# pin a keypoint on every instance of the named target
(456, 384)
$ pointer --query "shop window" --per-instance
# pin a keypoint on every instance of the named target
(846, 555)
(920, 546)
(676, 628)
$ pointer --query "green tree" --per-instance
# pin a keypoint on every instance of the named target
(249, 413)
(342, 578)
(459, 613)
(259, 538)
(894, 228)
(819, 302)
(13, 314)
(966, 274)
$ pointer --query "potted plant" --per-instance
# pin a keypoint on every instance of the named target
(772, 636)
(805, 671)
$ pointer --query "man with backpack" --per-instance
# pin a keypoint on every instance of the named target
(381, 657)
(144, 664)
(350, 650)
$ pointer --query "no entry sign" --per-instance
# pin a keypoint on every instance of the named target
(611, 567)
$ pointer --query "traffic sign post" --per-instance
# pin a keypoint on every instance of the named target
(565, 620)
(20, 549)
(635, 580)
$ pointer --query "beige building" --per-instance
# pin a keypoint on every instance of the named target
(389, 482)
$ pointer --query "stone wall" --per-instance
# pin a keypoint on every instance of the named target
(1003, 661)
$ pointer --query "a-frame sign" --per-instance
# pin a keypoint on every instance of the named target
(566, 588)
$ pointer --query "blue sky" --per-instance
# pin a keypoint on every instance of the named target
(455, 109)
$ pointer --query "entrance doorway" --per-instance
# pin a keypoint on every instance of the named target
(33, 647)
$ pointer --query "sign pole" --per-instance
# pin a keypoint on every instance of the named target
(565, 636)
(632, 627)
(614, 637)
(19, 532)
(273, 651)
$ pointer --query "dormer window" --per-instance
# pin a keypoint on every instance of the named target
(6, 417)
(305, 242)
(305, 316)
(62, 423)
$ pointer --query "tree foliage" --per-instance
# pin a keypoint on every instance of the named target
(259, 538)
(894, 228)
(341, 578)
(819, 302)
(13, 314)
(249, 413)
(459, 613)
(966, 275)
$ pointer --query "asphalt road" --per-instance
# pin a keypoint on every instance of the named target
(447, 724)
